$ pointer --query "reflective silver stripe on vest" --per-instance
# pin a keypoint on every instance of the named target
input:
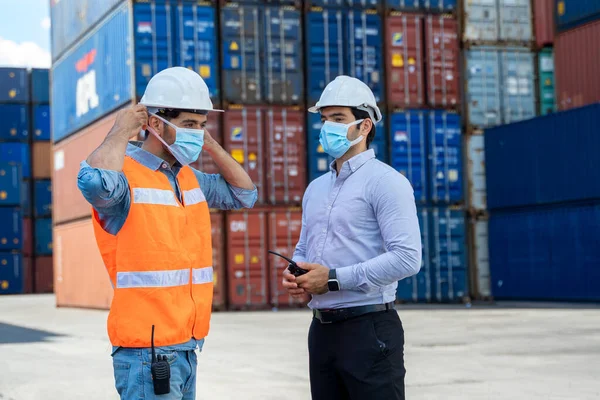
(202, 275)
(154, 196)
(193, 196)
(148, 279)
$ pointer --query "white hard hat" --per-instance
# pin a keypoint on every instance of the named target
(345, 91)
(178, 88)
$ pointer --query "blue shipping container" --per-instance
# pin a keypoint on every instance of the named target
(40, 85)
(326, 47)
(319, 161)
(43, 236)
(153, 41)
(446, 169)
(546, 253)
(283, 61)
(408, 147)
(418, 287)
(11, 273)
(517, 82)
(94, 78)
(10, 184)
(196, 43)
(11, 228)
(365, 49)
(73, 18)
(26, 197)
(553, 159)
(240, 41)
(14, 85)
(14, 122)
(448, 254)
(17, 153)
(573, 13)
(43, 197)
(41, 122)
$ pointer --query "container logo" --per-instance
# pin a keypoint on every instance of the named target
(238, 226)
(397, 39)
(86, 93)
(144, 27)
(236, 133)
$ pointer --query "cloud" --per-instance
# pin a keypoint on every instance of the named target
(45, 23)
(24, 54)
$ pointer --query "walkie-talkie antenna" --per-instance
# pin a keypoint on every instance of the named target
(152, 343)
(282, 256)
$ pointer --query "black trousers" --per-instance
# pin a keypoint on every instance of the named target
(357, 359)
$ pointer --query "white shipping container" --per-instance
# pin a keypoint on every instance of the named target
(497, 20)
(480, 259)
(480, 20)
(476, 172)
(515, 20)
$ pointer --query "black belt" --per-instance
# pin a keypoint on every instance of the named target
(329, 316)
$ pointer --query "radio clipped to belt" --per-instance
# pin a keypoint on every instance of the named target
(292, 267)
(161, 371)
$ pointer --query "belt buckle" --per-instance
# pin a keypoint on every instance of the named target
(319, 316)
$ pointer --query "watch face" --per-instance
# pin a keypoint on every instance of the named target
(333, 285)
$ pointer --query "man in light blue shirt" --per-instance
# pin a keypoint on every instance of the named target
(360, 235)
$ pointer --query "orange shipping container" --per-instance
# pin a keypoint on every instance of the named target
(68, 202)
(284, 233)
(41, 160)
(218, 248)
(247, 259)
(81, 280)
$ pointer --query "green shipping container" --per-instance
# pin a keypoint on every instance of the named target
(546, 81)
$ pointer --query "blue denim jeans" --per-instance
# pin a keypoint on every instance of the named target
(133, 379)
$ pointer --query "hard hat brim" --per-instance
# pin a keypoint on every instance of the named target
(178, 108)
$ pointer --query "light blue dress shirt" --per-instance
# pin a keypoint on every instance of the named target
(108, 192)
(362, 222)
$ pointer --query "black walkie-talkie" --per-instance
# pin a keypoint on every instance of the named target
(161, 371)
(292, 267)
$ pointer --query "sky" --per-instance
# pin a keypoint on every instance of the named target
(25, 33)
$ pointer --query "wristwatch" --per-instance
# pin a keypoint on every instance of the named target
(333, 284)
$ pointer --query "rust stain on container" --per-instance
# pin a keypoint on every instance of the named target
(243, 136)
(81, 280)
(404, 49)
(68, 202)
(41, 160)
(576, 65)
(284, 233)
(219, 271)
(286, 155)
(44, 274)
(27, 237)
(543, 12)
(441, 37)
(247, 258)
(205, 162)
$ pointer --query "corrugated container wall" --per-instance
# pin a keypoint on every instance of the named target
(42, 194)
(442, 61)
(41, 122)
(17, 153)
(576, 64)
(480, 21)
(42, 160)
(40, 86)
(11, 229)
(14, 85)
(11, 273)
(405, 65)
(217, 224)
(543, 12)
(518, 95)
(546, 254)
(479, 265)
(214, 126)
(488, 21)
(476, 196)
(547, 93)
(93, 79)
(573, 13)
(424, 5)
(43, 236)
(446, 169)
(43, 280)
(10, 184)
(15, 122)
(73, 18)
(515, 20)
(564, 169)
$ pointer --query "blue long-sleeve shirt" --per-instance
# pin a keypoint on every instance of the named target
(108, 192)
(362, 222)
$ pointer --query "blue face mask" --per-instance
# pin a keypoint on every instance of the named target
(334, 138)
(188, 142)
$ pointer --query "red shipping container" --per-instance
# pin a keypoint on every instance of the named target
(243, 137)
(543, 11)
(44, 275)
(443, 54)
(286, 155)
(404, 49)
(27, 275)
(247, 259)
(576, 65)
(27, 237)
(284, 233)
(205, 162)
(218, 249)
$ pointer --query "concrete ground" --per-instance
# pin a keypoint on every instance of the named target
(499, 352)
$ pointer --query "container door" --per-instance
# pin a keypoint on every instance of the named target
(546, 82)
(515, 20)
(483, 87)
(476, 172)
(441, 35)
(518, 101)
(480, 21)
(446, 171)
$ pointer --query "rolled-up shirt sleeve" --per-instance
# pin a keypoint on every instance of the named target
(394, 206)
(107, 191)
(220, 194)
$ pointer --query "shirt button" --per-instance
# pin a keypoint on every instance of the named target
(329, 207)
(164, 165)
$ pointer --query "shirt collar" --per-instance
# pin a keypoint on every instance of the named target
(355, 162)
(147, 159)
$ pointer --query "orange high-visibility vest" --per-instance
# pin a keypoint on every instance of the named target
(160, 262)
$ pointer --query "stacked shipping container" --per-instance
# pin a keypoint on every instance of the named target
(25, 188)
